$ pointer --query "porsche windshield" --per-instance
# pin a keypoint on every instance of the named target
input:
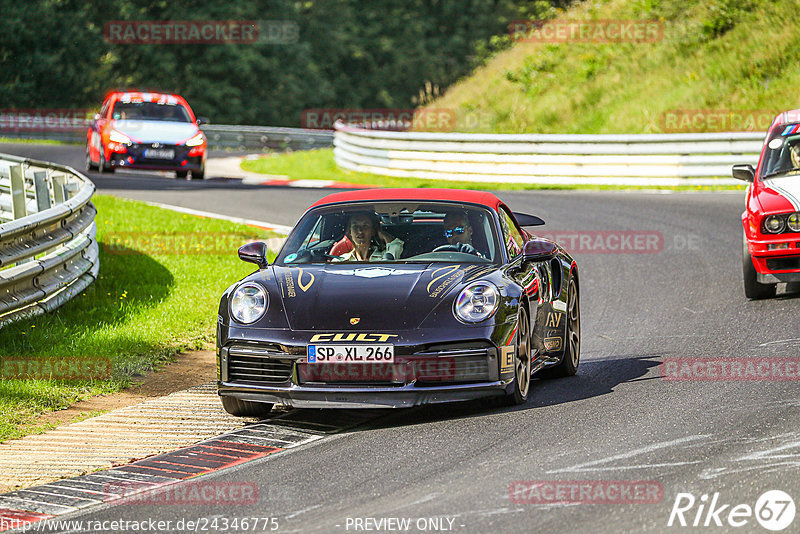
(393, 232)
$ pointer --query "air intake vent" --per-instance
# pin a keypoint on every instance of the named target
(258, 365)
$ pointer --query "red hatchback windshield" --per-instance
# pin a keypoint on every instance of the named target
(150, 111)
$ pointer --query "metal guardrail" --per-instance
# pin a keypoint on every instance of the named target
(220, 137)
(48, 250)
(638, 159)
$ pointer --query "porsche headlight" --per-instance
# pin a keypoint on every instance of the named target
(774, 224)
(249, 303)
(196, 140)
(794, 222)
(118, 137)
(476, 302)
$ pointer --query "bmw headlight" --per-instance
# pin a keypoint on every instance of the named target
(118, 137)
(794, 222)
(196, 140)
(477, 302)
(249, 303)
(774, 224)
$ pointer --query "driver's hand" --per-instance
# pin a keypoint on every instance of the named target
(385, 237)
(468, 249)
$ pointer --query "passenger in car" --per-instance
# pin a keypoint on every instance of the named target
(370, 242)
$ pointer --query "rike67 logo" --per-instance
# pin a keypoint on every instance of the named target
(774, 510)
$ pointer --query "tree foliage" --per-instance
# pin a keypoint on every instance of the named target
(350, 53)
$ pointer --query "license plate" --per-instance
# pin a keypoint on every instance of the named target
(350, 353)
(159, 153)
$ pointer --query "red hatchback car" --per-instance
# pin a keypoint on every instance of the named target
(150, 131)
(771, 220)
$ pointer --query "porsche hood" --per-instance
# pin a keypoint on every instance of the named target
(367, 297)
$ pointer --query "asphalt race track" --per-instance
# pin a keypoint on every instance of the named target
(617, 420)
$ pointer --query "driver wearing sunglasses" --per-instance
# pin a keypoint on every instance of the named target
(458, 232)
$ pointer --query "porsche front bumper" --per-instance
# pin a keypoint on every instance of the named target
(260, 373)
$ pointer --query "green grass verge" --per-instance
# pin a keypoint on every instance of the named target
(735, 55)
(320, 165)
(161, 276)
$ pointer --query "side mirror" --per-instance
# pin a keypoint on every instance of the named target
(255, 252)
(528, 220)
(745, 173)
(202, 120)
(539, 249)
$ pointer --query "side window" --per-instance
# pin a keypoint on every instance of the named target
(512, 238)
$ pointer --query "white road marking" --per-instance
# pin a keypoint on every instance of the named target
(426, 498)
(779, 341)
(628, 467)
(590, 466)
(769, 453)
(281, 229)
(304, 510)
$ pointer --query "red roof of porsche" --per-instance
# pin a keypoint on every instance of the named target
(453, 195)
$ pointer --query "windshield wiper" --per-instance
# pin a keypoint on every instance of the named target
(782, 171)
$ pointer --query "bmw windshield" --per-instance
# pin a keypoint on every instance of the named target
(783, 152)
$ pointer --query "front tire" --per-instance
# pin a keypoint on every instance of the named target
(522, 361)
(241, 408)
(89, 163)
(753, 289)
(102, 164)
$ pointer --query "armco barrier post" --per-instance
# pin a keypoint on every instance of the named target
(41, 190)
(17, 192)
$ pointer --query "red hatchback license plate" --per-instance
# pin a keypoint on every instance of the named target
(158, 153)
